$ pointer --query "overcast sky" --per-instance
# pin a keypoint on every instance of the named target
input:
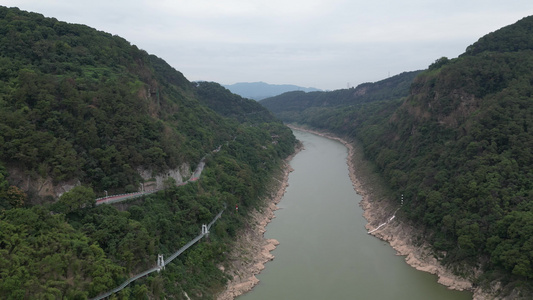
(326, 44)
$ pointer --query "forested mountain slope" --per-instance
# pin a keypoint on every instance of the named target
(227, 104)
(459, 147)
(81, 104)
(86, 108)
(289, 106)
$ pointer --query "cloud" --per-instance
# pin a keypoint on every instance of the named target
(325, 43)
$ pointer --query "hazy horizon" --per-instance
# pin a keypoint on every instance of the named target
(327, 45)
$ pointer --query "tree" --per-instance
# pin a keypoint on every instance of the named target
(3, 180)
(439, 63)
(10, 196)
(15, 197)
(169, 183)
(77, 198)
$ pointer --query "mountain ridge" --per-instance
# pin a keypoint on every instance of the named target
(291, 104)
(261, 90)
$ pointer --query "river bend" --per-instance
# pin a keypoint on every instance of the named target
(325, 251)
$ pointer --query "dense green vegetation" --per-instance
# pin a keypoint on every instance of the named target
(459, 148)
(78, 103)
(231, 105)
(289, 106)
(86, 107)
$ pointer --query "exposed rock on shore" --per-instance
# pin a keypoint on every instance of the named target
(399, 235)
(252, 250)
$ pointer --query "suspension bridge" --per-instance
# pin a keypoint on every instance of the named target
(161, 263)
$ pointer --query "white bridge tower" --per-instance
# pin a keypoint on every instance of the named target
(160, 262)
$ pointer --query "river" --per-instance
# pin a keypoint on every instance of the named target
(325, 251)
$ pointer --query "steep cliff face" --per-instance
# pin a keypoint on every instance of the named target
(40, 189)
(156, 181)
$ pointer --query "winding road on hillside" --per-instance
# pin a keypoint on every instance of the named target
(123, 197)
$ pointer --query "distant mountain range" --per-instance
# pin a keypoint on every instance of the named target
(262, 90)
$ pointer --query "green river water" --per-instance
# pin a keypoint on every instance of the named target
(325, 251)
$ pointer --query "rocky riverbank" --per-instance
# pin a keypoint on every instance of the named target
(251, 250)
(400, 236)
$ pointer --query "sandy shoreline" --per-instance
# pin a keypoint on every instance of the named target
(253, 250)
